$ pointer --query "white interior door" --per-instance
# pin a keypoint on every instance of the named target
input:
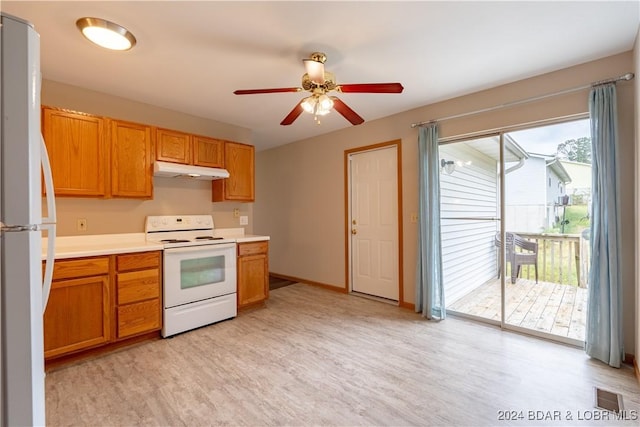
(374, 223)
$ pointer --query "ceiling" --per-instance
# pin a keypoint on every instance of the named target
(191, 56)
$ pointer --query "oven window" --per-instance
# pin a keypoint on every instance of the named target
(201, 271)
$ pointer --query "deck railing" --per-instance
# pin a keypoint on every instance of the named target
(562, 258)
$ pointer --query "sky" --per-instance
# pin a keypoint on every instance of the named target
(545, 139)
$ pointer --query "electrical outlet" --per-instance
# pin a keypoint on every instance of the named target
(244, 220)
(414, 218)
(236, 213)
(81, 224)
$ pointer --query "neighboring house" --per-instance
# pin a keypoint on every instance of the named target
(534, 190)
(579, 189)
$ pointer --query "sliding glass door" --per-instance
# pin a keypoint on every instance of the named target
(547, 216)
(470, 222)
(524, 195)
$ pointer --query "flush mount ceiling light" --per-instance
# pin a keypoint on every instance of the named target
(106, 34)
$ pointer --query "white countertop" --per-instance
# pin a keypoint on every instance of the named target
(108, 244)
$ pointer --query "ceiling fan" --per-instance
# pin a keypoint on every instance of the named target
(319, 82)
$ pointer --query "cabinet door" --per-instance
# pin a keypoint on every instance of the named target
(131, 160)
(239, 161)
(208, 152)
(253, 279)
(77, 150)
(77, 315)
(173, 146)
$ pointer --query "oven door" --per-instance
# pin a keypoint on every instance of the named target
(196, 273)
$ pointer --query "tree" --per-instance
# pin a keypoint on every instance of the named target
(576, 150)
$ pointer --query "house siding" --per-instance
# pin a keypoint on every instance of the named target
(468, 251)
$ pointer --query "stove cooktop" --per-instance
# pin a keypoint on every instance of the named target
(185, 230)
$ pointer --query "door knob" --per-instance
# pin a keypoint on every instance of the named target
(354, 231)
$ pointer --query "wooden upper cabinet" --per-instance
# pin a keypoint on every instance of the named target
(239, 160)
(173, 146)
(131, 160)
(208, 152)
(179, 147)
(77, 150)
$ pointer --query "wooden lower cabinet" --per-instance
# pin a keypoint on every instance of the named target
(78, 314)
(139, 284)
(99, 301)
(253, 273)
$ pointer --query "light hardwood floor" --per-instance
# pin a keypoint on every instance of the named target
(316, 357)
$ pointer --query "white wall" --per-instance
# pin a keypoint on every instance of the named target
(300, 186)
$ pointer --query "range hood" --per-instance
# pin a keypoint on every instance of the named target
(176, 170)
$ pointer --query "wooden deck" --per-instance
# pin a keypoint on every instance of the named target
(547, 307)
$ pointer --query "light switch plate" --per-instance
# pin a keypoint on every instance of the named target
(244, 220)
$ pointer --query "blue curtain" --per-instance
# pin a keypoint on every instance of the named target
(430, 285)
(604, 313)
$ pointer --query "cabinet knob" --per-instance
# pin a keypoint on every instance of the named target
(354, 231)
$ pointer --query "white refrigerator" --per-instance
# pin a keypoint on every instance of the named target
(24, 288)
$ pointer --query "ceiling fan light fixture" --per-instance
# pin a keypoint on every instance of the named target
(325, 103)
(106, 34)
(309, 104)
(315, 70)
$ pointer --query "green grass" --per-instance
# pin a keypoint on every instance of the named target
(577, 215)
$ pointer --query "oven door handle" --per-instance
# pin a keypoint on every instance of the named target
(200, 248)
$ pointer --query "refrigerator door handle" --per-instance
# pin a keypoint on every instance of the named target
(16, 228)
(48, 266)
(48, 224)
(48, 184)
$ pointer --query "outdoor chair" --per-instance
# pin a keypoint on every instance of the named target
(519, 252)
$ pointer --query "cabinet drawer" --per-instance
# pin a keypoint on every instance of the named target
(139, 317)
(136, 286)
(138, 261)
(253, 248)
(65, 269)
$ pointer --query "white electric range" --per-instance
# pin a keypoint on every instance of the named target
(199, 280)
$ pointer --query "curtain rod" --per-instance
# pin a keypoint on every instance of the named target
(627, 76)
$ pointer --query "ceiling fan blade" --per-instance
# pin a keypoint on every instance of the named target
(315, 70)
(346, 112)
(371, 88)
(276, 90)
(293, 115)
